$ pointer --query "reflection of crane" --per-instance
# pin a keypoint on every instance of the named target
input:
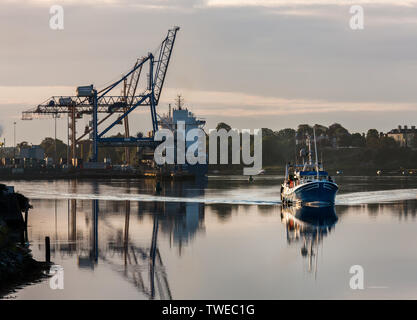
(136, 259)
(89, 101)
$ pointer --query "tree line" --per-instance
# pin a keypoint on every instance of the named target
(337, 148)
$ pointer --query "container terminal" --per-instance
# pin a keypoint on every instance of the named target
(109, 107)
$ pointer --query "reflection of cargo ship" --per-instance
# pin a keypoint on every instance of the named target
(169, 121)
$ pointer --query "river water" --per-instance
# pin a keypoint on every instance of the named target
(224, 238)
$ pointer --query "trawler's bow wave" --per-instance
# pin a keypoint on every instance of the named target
(354, 198)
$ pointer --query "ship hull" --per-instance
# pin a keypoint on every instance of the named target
(196, 170)
(311, 193)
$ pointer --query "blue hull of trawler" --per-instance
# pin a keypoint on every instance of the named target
(314, 193)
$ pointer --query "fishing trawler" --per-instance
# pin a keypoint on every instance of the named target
(308, 183)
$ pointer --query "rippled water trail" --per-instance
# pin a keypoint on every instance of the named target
(246, 194)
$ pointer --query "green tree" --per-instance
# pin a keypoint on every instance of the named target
(341, 134)
(279, 148)
(23, 144)
(344, 140)
(372, 138)
(303, 130)
(48, 144)
(387, 143)
(267, 132)
(286, 134)
(358, 140)
(223, 125)
(320, 129)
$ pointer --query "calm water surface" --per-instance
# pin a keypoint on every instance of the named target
(221, 239)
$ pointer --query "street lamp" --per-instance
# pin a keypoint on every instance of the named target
(55, 156)
(14, 139)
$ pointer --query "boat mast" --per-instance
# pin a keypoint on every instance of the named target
(315, 151)
(286, 172)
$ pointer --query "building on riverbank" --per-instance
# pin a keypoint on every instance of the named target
(30, 152)
(404, 136)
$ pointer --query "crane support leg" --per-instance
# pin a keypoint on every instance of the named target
(73, 133)
(95, 127)
(127, 135)
(126, 123)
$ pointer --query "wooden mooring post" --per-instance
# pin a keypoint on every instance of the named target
(26, 225)
(47, 250)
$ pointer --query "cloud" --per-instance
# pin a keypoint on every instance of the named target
(138, 4)
(247, 105)
(282, 3)
(31, 95)
(223, 3)
(220, 103)
(67, 2)
(256, 62)
(239, 109)
(201, 4)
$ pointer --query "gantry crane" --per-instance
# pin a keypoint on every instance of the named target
(134, 94)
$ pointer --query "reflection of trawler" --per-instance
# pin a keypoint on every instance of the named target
(309, 226)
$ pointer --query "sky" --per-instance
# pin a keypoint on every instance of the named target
(251, 64)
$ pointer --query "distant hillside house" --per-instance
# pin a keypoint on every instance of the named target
(405, 137)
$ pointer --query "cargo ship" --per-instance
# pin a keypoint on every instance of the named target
(169, 121)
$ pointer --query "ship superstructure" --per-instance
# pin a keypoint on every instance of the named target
(181, 114)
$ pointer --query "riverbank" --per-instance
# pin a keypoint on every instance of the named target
(17, 267)
(56, 174)
(8, 174)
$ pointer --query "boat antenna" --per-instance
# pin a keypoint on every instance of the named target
(321, 160)
(295, 148)
(315, 151)
(180, 102)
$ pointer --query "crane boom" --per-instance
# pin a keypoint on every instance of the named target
(163, 62)
(133, 84)
(112, 104)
